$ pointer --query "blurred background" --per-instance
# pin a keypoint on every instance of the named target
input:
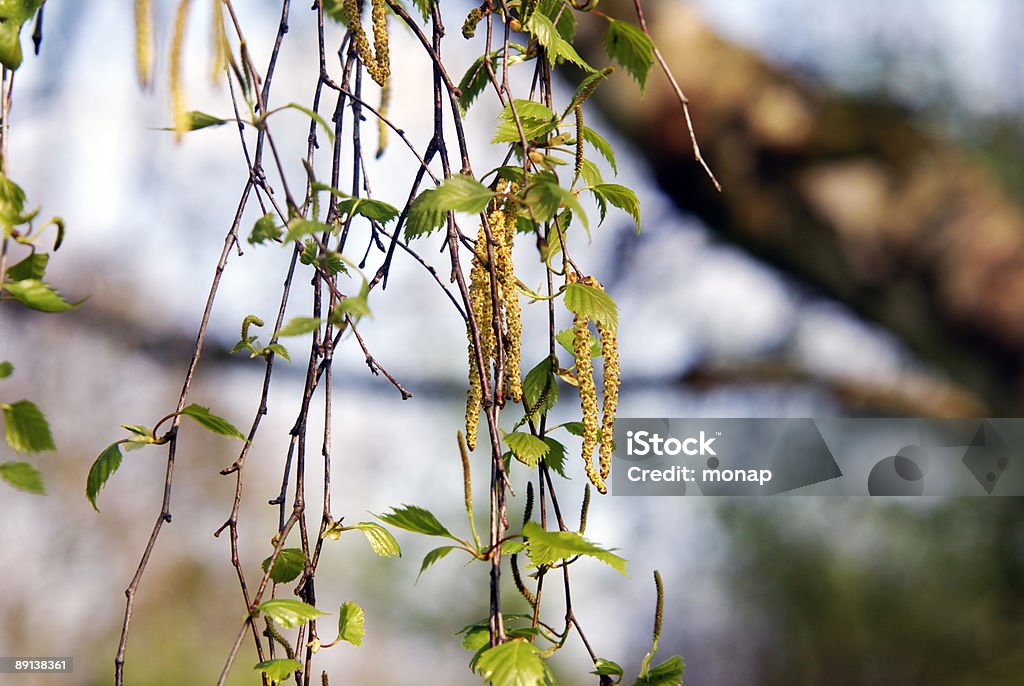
(866, 258)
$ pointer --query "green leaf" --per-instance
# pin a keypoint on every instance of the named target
(424, 7)
(463, 193)
(514, 663)
(102, 469)
(280, 669)
(27, 429)
(668, 673)
(534, 117)
(546, 547)
(433, 556)
(212, 422)
(289, 564)
(526, 447)
(6, 368)
(381, 540)
(622, 197)
(512, 547)
(299, 326)
(351, 621)
(473, 82)
(590, 174)
(425, 215)
(601, 145)
(565, 338)
(591, 303)
(37, 295)
(555, 457)
(354, 306)
(540, 388)
(575, 428)
(199, 120)
(22, 476)
(558, 49)
(265, 229)
(32, 267)
(297, 228)
(631, 47)
(279, 350)
(13, 14)
(476, 637)
(376, 210)
(288, 612)
(417, 520)
(544, 196)
(12, 201)
(603, 667)
(143, 435)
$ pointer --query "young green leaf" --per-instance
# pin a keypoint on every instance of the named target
(289, 564)
(22, 476)
(351, 621)
(381, 540)
(376, 210)
(279, 350)
(27, 429)
(299, 326)
(32, 267)
(417, 520)
(288, 612)
(603, 667)
(37, 295)
(102, 469)
(279, 670)
(426, 215)
(6, 368)
(433, 556)
(474, 81)
(540, 388)
(558, 49)
(591, 303)
(143, 435)
(545, 196)
(622, 197)
(354, 306)
(601, 145)
(212, 422)
(575, 428)
(631, 47)
(564, 338)
(535, 119)
(514, 663)
(196, 120)
(526, 448)
(13, 14)
(546, 547)
(555, 456)
(297, 228)
(463, 193)
(512, 547)
(668, 673)
(265, 229)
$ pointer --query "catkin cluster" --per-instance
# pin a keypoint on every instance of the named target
(377, 61)
(596, 431)
(504, 327)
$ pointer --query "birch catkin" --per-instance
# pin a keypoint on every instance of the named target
(377, 61)
(588, 396)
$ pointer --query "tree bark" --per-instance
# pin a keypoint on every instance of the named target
(849, 194)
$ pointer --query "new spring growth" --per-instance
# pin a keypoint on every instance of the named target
(472, 19)
(594, 431)
(588, 395)
(377, 61)
(502, 222)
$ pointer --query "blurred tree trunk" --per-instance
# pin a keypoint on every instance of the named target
(850, 195)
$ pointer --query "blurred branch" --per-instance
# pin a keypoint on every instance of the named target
(851, 195)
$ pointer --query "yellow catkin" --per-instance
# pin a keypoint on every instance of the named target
(480, 304)
(588, 396)
(610, 352)
(144, 41)
(221, 46)
(377, 61)
(182, 121)
(503, 228)
(578, 170)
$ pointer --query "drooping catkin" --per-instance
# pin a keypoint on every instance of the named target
(503, 226)
(144, 41)
(182, 120)
(377, 61)
(579, 142)
(480, 305)
(610, 353)
(588, 397)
